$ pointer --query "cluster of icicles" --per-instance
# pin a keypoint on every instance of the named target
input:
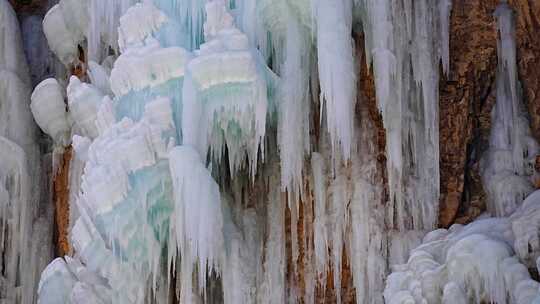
(192, 137)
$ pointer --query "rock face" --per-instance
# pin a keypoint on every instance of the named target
(61, 203)
(467, 99)
(465, 104)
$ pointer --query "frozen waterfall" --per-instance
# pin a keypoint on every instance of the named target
(228, 151)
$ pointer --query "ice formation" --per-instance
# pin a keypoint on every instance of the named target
(405, 52)
(49, 110)
(336, 70)
(485, 261)
(225, 95)
(508, 165)
(198, 170)
(25, 238)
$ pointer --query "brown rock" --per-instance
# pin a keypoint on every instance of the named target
(527, 13)
(465, 102)
(61, 203)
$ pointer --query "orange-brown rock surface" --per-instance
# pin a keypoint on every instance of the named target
(61, 203)
(465, 105)
(466, 98)
(527, 14)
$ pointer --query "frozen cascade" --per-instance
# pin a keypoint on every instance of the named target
(487, 260)
(336, 70)
(187, 135)
(406, 81)
(197, 203)
(508, 165)
(293, 132)
(26, 228)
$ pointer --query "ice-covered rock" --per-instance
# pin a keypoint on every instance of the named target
(49, 110)
(487, 260)
(225, 97)
(508, 164)
(147, 66)
(64, 26)
(84, 100)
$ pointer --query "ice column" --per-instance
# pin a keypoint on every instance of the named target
(25, 243)
(508, 164)
(336, 70)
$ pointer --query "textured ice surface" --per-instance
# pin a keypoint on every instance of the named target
(508, 165)
(197, 203)
(147, 66)
(64, 26)
(198, 122)
(225, 95)
(49, 110)
(25, 238)
(485, 261)
(405, 52)
(83, 100)
(336, 70)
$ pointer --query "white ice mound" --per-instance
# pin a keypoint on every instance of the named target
(49, 110)
(84, 100)
(56, 283)
(225, 94)
(139, 22)
(147, 66)
(197, 203)
(64, 26)
(485, 261)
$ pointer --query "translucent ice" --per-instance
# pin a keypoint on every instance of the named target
(336, 70)
(507, 167)
(225, 96)
(197, 203)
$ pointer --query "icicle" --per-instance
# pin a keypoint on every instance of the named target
(445, 6)
(336, 70)
(293, 132)
(197, 203)
(102, 29)
(24, 246)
